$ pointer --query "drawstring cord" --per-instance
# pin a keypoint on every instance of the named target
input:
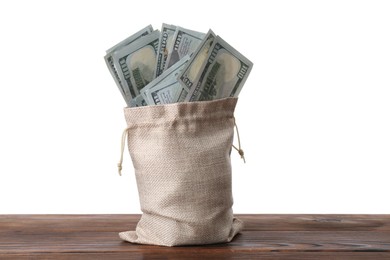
(123, 143)
(239, 149)
(125, 133)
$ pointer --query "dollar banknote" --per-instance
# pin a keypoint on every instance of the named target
(138, 101)
(144, 31)
(135, 63)
(184, 42)
(170, 75)
(110, 62)
(223, 73)
(176, 65)
(166, 38)
(192, 69)
(165, 93)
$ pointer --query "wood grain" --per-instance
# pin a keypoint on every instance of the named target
(265, 237)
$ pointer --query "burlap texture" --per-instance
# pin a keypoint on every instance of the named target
(181, 157)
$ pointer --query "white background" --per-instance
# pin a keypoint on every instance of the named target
(314, 115)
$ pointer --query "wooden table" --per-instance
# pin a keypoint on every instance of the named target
(265, 237)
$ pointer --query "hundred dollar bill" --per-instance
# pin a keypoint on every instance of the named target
(135, 63)
(163, 93)
(138, 101)
(166, 37)
(110, 62)
(192, 69)
(181, 93)
(222, 75)
(168, 75)
(184, 42)
(144, 31)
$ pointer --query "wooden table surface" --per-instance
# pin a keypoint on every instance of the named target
(265, 236)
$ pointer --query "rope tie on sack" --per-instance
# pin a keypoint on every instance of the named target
(239, 149)
(125, 134)
(123, 143)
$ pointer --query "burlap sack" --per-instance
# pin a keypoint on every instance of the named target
(181, 156)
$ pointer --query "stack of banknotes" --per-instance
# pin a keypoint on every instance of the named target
(153, 67)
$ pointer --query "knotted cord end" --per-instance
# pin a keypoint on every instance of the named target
(120, 169)
(241, 153)
(239, 150)
(124, 135)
